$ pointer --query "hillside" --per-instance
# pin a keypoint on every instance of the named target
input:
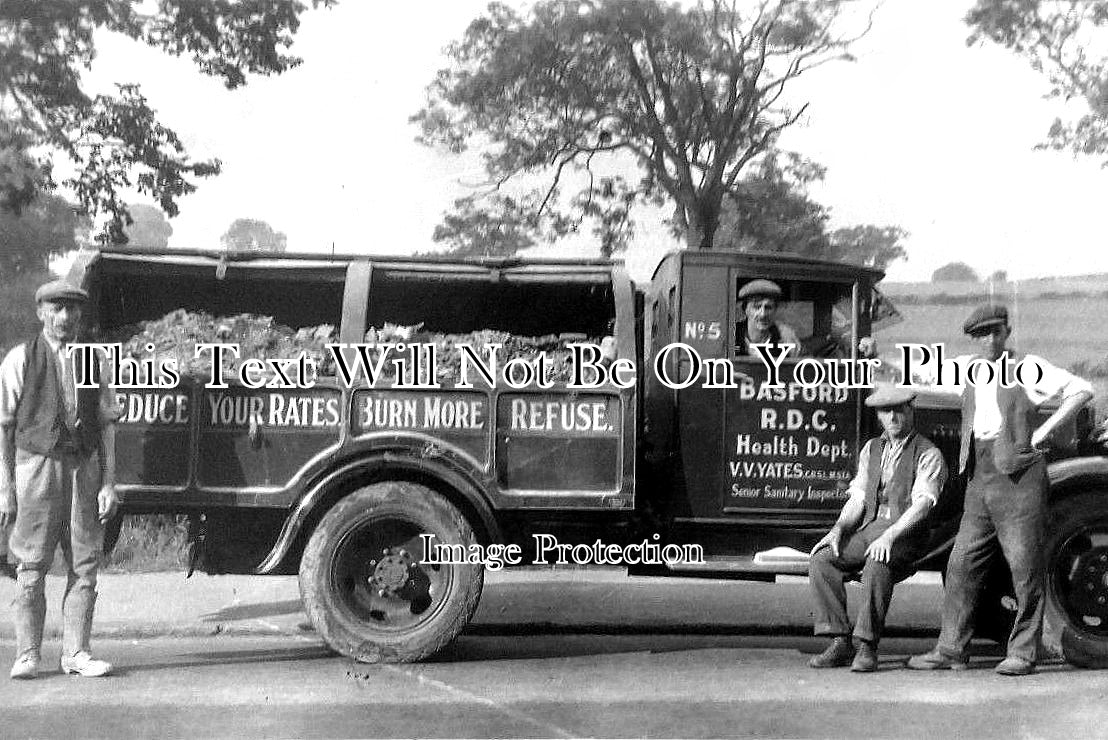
(1043, 287)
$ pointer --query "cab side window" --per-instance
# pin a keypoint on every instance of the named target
(818, 315)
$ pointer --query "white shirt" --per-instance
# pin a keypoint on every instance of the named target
(1055, 382)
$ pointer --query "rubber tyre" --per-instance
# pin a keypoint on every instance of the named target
(1078, 643)
(329, 597)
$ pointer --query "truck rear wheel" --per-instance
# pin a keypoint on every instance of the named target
(1077, 577)
(364, 581)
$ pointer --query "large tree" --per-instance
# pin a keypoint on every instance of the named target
(253, 235)
(115, 141)
(1067, 40)
(690, 96)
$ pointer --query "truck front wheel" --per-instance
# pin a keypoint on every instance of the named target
(364, 579)
(1077, 577)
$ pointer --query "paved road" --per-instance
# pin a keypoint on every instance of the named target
(549, 655)
(543, 686)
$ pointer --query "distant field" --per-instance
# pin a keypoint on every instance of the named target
(1022, 289)
(1064, 331)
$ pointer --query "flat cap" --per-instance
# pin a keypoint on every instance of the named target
(887, 396)
(760, 288)
(985, 317)
(60, 290)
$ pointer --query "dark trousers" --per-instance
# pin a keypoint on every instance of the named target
(827, 574)
(1004, 514)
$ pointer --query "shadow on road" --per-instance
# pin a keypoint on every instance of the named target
(487, 647)
(304, 651)
(255, 611)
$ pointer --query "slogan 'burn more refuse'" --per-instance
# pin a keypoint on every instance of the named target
(393, 410)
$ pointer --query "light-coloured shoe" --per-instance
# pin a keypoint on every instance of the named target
(85, 665)
(25, 666)
(936, 660)
(1015, 666)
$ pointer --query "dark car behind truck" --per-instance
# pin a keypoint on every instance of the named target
(343, 484)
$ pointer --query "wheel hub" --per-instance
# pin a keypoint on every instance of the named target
(1089, 584)
(392, 572)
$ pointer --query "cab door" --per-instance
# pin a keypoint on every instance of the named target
(790, 449)
(751, 452)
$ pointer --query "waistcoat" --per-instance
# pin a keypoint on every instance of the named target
(40, 421)
(898, 491)
(1012, 451)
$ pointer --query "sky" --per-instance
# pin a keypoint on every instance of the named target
(920, 132)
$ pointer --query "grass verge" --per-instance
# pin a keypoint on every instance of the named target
(149, 543)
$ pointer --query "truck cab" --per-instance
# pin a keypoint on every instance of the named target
(745, 468)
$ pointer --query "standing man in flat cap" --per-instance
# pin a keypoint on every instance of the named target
(1005, 503)
(759, 300)
(881, 531)
(57, 463)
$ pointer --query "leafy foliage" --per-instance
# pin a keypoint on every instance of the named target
(1067, 40)
(955, 272)
(772, 212)
(44, 228)
(17, 306)
(866, 244)
(252, 235)
(474, 232)
(148, 228)
(690, 96)
(115, 141)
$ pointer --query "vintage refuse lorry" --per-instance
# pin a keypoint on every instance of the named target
(349, 485)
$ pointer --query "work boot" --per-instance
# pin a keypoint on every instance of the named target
(26, 665)
(866, 659)
(1015, 666)
(85, 665)
(838, 654)
(935, 660)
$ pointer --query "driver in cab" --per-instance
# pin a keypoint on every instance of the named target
(759, 300)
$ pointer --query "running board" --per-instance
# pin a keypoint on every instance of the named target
(762, 566)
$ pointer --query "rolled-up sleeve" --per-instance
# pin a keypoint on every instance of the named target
(930, 476)
(1055, 382)
(11, 383)
(858, 486)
